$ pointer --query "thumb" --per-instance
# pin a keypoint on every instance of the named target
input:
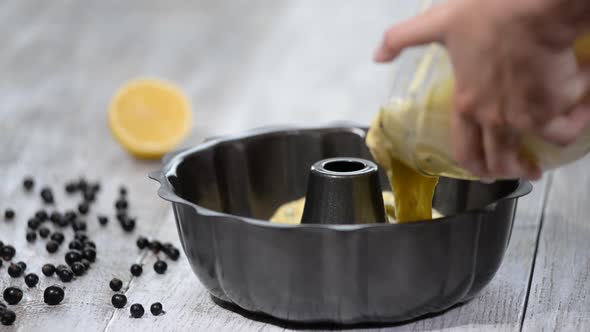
(425, 28)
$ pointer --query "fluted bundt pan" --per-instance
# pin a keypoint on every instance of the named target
(224, 190)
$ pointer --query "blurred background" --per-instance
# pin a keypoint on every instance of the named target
(243, 64)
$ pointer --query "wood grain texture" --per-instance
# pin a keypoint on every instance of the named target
(560, 289)
(244, 64)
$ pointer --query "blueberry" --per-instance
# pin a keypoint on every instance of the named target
(58, 237)
(52, 246)
(56, 217)
(86, 263)
(156, 308)
(44, 232)
(119, 301)
(34, 223)
(15, 271)
(89, 254)
(72, 256)
(89, 244)
(103, 220)
(70, 215)
(7, 252)
(83, 208)
(65, 275)
(121, 204)
(116, 284)
(155, 246)
(48, 270)
(82, 184)
(28, 183)
(128, 225)
(22, 265)
(41, 215)
(142, 242)
(31, 236)
(53, 295)
(47, 195)
(13, 295)
(75, 245)
(8, 317)
(9, 214)
(160, 267)
(89, 195)
(136, 310)
(78, 268)
(31, 280)
(136, 270)
(71, 187)
(122, 191)
(79, 226)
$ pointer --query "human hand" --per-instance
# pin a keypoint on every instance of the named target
(516, 73)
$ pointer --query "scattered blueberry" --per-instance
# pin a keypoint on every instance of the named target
(75, 245)
(103, 220)
(160, 267)
(34, 223)
(53, 295)
(31, 236)
(9, 214)
(83, 208)
(22, 265)
(136, 270)
(31, 280)
(7, 252)
(86, 263)
(72, 256)
(119, 301)
(78, 268)
(89, 254)
(71, 187)
(79, 226)
(8, 317)
(28, 183)
(48, 270)
(52, 246)
(122, 191)
(116, 284)
(142, 242)
(15, 271)
(41, 215)
(128, 225)
(156, 308)
(13, 295)
(44, 232)
(136, 310)
(65, 275)
(56, 217)
(121, 204)
(47, 195)
(155, 246)
(58, 237)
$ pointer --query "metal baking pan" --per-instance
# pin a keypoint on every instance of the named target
(224, 190)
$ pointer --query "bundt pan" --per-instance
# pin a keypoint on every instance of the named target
(224, 191)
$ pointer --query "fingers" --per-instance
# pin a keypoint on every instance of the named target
(422, 29)
(565, 129)
(467, 145)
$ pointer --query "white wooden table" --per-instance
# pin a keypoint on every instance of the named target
(244, 64)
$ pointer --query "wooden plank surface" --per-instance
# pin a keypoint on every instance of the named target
(244, 64)
(560, 289)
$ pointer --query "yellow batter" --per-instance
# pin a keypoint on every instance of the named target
(291, 213)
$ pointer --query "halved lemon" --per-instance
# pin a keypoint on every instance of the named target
(150, 117)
